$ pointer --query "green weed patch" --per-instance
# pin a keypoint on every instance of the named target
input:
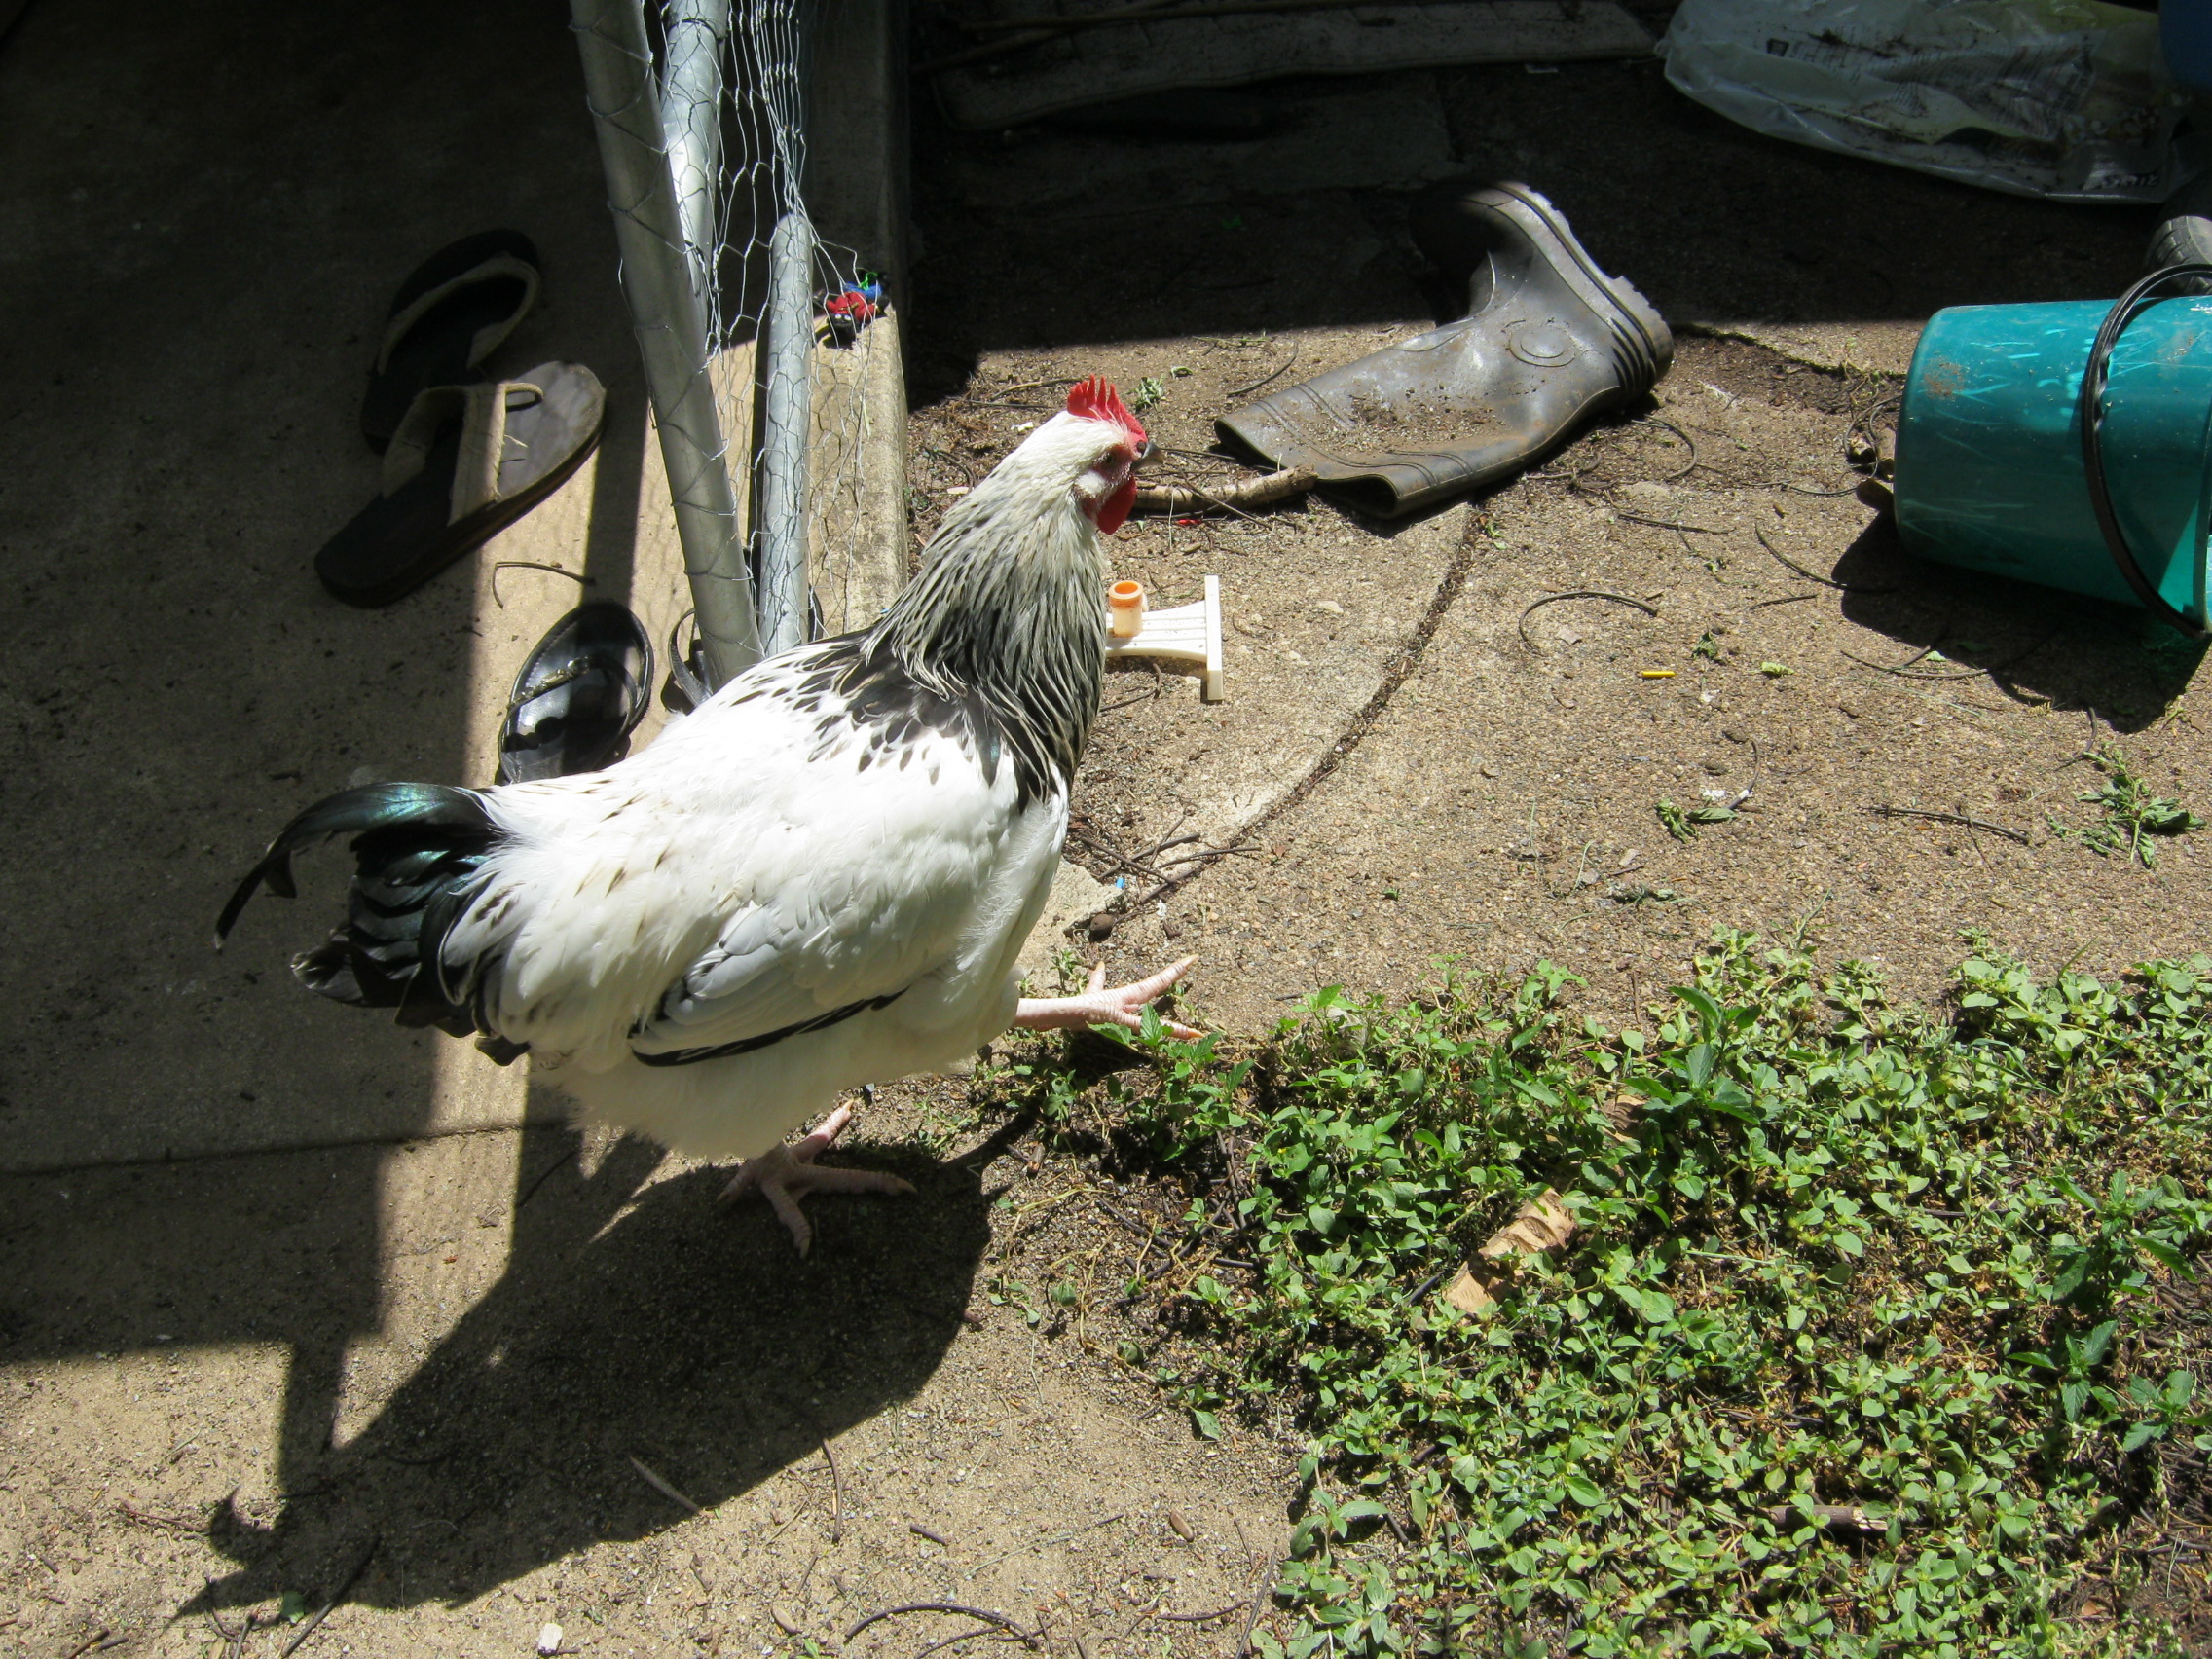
(1834, 1255)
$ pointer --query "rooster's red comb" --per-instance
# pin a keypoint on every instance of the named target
(1096, 399)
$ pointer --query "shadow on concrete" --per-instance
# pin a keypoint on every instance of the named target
(208, 218)
(611, 550)
(1999, 636)
(634, 1321)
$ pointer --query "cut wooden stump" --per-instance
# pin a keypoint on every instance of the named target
(1847, 1518)
(1539, 1227)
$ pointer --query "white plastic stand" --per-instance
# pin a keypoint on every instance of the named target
(1188, 634)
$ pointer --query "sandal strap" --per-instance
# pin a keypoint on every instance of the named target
(491, 334)
(482, 408)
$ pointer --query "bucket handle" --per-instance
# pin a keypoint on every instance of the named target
(2093, 414)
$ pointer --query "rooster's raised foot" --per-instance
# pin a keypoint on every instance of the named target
(1103, 1005)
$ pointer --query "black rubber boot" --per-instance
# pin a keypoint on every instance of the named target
(1549, 339)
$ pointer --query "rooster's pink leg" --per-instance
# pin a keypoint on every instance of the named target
(785, 1174)
(1101, 1005)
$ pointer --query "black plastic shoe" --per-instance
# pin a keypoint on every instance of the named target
(578, 697)
(1549, 339)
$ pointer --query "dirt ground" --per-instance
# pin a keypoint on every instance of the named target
(473, 1384)
(1497, 749)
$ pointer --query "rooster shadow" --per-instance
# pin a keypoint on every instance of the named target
(637, 1323)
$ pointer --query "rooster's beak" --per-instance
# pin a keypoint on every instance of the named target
(1144, 455)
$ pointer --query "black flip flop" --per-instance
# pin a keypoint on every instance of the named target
(466, 461)
(447, 317)
(579, 695)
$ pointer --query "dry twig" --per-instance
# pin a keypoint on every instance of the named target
(1043, 1544)
(836, 1494)
(532, 565)
(1236, 498)
(1789, 564)
(1029, 1638)
(336, 1596)
(1667, 524)
(1259, 1602)
(663, 1486)
(1265, 380)
(1834, 1517)
(1883, 810)
(1030, 385)
(1577, 592)
(163, 1522)
(1236, 1606)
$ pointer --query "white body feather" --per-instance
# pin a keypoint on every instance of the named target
(783, 884)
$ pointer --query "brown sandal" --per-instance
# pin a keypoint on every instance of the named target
(466, 462)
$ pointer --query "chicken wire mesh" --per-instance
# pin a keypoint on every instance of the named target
(746, 316)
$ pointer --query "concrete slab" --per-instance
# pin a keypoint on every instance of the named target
(1094, 65)
(209, 275)
(1850, 347)
(243, 1333)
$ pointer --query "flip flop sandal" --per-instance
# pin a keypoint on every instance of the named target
(447, 317)
(466, 461)
(579, 695)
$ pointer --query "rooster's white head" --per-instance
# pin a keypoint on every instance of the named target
(1092, 449)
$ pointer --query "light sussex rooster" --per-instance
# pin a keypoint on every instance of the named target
(819, 879)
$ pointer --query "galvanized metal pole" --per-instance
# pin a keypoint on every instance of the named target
(691, 104)
(665, 311)
(787, 428)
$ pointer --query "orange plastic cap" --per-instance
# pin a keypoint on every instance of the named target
(1124, 609)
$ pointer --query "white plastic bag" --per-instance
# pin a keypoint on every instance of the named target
(2063, 99)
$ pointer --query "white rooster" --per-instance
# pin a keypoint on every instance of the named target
(819, 879)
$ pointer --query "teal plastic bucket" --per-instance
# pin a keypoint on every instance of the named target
(1996, 472)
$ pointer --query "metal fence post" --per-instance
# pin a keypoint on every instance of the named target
(787, 428)
(691, 107)
(658, 277)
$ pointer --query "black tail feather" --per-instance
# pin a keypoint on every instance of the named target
(395, 815)
(416, 848)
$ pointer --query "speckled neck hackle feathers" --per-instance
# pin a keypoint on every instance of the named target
(1009, 610)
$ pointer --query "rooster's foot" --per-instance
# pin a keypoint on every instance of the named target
(1101, 1005)
(785, 1174)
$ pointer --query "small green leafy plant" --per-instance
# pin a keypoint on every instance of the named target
(2132, 812)
(1683, 826)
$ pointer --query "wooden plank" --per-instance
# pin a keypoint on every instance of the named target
(1101, 64)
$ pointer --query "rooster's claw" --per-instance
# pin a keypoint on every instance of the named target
(1099, 1004)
